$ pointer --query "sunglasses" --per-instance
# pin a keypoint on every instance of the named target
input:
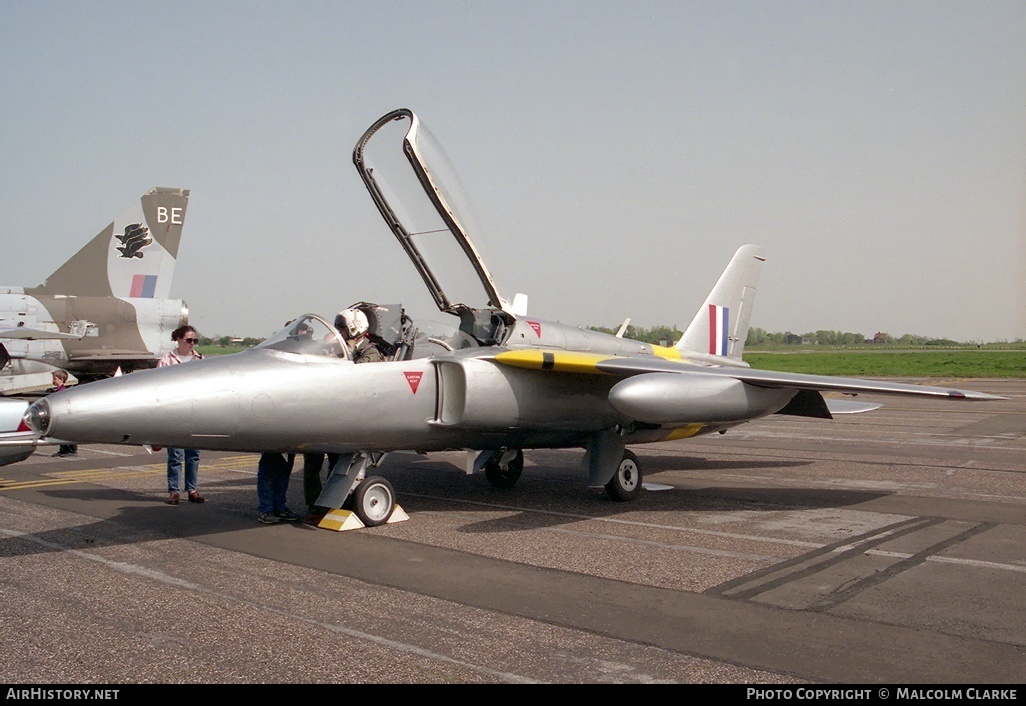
(191, 340)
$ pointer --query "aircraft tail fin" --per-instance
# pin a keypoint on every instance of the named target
(134, 256)
(720, 327)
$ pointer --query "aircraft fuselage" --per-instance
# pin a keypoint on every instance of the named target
(237, 403)
(462, 400)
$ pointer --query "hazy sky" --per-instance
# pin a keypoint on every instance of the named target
(617, 153)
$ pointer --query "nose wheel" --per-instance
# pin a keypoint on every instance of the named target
(373, 501)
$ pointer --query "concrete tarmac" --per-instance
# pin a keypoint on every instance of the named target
(880, 548)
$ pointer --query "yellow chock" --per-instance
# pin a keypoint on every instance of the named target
(340, 521)
(398, 515)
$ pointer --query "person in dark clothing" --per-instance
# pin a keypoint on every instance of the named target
(273, 473)
(312, 485)
(355, 329)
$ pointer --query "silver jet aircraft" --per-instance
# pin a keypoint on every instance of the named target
(106, 307)
(494, 382)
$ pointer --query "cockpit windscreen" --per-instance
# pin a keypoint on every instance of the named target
(307, 335)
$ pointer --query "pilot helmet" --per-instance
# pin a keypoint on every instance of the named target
(351, 322)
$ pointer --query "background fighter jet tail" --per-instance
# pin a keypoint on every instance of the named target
(720, 327)
(108, 305)
(134, 256)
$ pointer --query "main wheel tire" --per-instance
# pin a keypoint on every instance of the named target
(626, 482)
(505, 475)
(374, 501)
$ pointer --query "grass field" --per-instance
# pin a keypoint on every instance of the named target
(219, 350)
(959, 363)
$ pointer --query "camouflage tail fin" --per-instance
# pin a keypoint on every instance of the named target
(134, 256)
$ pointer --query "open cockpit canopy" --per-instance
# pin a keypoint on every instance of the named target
(419, 195)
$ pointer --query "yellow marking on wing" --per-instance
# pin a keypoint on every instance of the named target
(667, 352)
(684, 432)
(559, 361)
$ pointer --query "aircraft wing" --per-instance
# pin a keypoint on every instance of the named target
(112, 355)
(625, 366)
(32, 334)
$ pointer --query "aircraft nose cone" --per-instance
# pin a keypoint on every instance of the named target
(166, 406)
(106, 411)
(37, 417)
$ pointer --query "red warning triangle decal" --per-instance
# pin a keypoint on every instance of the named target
(414, 380)
(536, 325)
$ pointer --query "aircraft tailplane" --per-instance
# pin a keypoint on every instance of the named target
(720, 327)
(134, 256)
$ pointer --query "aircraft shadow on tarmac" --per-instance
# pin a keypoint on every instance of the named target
(230, 507)
(545, 496)
(655, 463)
(432, 486)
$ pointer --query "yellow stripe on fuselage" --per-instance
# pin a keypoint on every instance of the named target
(684, 432)
(668, 352)
(560, 361)
(571, 361)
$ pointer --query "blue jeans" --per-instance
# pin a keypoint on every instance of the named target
(273, 473)
(174, 468)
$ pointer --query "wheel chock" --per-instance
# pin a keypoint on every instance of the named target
(398, 515)
(340, 521)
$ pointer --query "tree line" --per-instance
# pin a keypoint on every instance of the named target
(668, 335)
(758, 336)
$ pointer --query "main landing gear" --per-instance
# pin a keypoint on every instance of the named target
(626, 481)
(503, 468)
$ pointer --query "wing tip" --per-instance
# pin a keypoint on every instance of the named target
(974, 396)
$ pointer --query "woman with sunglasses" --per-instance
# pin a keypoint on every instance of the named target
(184, 352)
